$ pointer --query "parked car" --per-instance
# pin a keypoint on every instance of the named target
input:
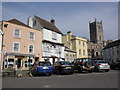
(101, 65)
(115, 65)
(42, 67)
(83, 64)
(63, 67)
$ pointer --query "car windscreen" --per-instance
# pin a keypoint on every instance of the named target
(65, 63)
(44, 64)
(86, 59)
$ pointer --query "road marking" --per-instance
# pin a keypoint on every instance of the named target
(46, 86)
(60, 76)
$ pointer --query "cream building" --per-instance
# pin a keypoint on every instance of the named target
(77, 44)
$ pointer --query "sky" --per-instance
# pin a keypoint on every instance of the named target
(69, 16)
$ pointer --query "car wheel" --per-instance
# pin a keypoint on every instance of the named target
(107, 70)
(80, 70)
(49, 74)
(34, 73)
(96, 69)
(90, 71)
(57, 72)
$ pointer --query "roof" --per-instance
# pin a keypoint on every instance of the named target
(48, 25)
(53, 42)
(15, 21)
(112, 44)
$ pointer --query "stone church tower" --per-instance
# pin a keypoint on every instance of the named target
(96, 32)
(96, 42)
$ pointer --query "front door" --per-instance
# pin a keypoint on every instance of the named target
(19, 63)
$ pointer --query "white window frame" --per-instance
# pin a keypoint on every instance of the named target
(33, 48)
(18, 48)
(33, 36)
(54, 35)
(19, 33)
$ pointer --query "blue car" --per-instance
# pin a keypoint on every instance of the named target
(42, 68)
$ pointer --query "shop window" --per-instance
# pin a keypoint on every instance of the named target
(26, 64)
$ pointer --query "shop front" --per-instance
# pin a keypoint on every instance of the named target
(18, 61)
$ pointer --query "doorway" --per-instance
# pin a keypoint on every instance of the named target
(19, 63)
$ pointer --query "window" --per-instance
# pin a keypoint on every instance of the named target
(79, 43)
(16, 46)
(34, 22)
(83, 43)
(32, 36)
(83, 52)
(54, 36)
(79, 52)
(17, 33)
(31, 49)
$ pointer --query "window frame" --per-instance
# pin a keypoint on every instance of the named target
(29, 48)
(18, 48)
(33, 36)
(54, 36)
(19, 33)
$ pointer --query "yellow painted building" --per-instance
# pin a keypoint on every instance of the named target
(77, 44)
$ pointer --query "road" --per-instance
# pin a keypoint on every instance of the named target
(77, 80)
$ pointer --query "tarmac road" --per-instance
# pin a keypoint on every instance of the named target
(76, 80)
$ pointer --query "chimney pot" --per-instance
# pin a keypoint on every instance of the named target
(52, 21)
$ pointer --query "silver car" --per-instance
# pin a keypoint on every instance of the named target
(101, 65)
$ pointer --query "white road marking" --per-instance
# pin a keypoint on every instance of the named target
(46, 86)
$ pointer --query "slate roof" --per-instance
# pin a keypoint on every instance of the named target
(48, 25)
(112, 44)
(15, 21)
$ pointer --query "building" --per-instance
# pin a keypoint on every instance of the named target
(96, 42)
(70, 55)
(96, 32)
(111, 51)
(78, 44)
(21, 44)
(52, 47)
(95, 50)
(1, 34)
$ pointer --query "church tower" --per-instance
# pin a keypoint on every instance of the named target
(96, 32)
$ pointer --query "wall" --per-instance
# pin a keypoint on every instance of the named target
(111, 54)
(81, 47)
(47, 35)
(24, 40)
(0, 47)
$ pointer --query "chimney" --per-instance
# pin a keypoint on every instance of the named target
(52, 21)
(30, 21)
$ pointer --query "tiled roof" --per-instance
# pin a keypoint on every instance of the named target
(15, 21)
(48, 25)
(112, 44)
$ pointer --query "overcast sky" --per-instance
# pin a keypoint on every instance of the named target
(69, 16)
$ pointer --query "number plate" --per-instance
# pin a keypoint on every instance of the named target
(88, 68)
(105, 68)
(45, 67)
(68, 67)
